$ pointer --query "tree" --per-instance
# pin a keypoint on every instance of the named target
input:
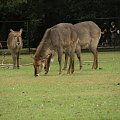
(9, 9)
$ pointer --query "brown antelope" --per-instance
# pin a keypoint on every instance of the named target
(88, 37)
(59, 38)
(15, 44)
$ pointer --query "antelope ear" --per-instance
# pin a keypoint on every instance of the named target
(21, 30)
(11, 30)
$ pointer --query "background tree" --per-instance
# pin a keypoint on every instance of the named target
(58, 10)
(42, 14)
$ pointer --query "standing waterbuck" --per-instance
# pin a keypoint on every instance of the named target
(15, 44)
(59, 38)
(88, 37)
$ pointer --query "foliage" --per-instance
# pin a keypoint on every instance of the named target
(12, 9)
(58, 10)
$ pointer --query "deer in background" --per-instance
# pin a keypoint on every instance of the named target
(15, 44)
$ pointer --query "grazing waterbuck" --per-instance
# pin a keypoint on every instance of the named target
(15, 44)
(59, 38)
(88, 37)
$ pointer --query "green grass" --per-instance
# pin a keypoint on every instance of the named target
(85, 95)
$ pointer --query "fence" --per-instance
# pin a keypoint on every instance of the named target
(33, 31)
(5, 27)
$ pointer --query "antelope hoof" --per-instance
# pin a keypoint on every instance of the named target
(94, 68)
(80, 67)
(59, 73)
(64, 68)
(46, 73)
(36, 75)
(72, 71)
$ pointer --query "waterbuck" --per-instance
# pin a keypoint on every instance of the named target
(15, 44)
(59, 38)
(88, 37)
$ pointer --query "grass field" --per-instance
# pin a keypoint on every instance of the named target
(85, 95)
